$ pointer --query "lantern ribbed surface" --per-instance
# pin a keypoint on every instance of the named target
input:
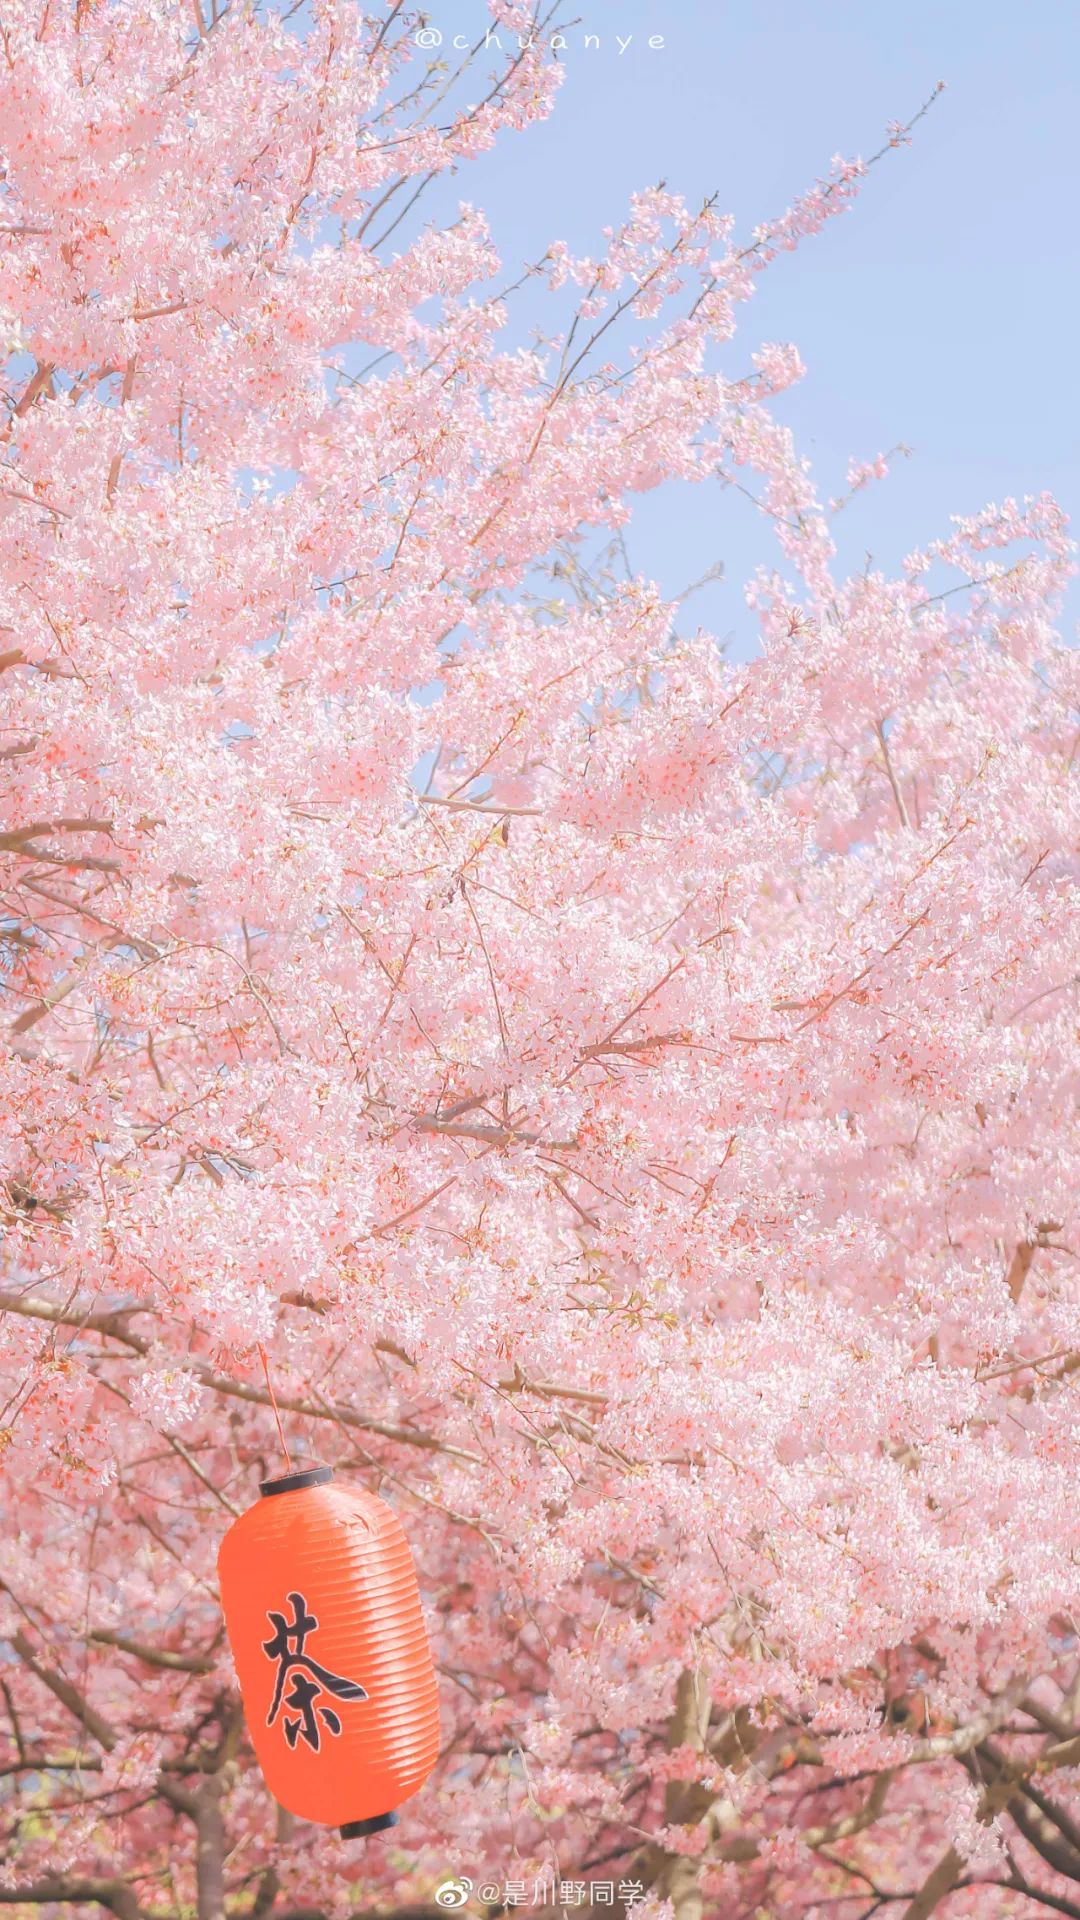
(327, 1632)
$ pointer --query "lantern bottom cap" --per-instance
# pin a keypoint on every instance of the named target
(359, 1829)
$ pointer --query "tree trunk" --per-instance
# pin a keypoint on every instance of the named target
(210, 1850)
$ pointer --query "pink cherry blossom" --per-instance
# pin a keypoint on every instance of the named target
(629, 1096)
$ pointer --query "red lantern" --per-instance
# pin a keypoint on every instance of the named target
(324, 1620)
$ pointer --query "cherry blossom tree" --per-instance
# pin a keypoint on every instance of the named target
(620, 1099)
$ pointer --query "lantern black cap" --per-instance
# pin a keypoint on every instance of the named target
(359, 1829)
(292, 1482)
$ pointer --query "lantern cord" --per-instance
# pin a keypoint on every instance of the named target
(274, 1404)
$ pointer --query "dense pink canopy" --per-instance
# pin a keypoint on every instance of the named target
(630, 1096)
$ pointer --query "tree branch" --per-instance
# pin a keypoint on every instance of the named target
(34, 1307)
(68, 1695)
(114, 1894)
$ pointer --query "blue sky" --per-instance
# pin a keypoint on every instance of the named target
(941, 312)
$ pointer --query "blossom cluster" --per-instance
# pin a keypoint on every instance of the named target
(630, 1096)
